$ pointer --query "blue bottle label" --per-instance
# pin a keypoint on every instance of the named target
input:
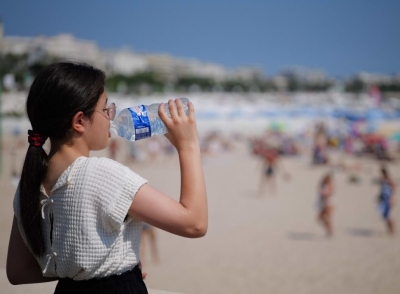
(140, 121)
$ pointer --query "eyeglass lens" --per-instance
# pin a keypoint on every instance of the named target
(112, 111)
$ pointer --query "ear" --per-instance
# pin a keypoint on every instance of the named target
(79, 122)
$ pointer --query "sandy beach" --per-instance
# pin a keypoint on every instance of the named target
(270, 244)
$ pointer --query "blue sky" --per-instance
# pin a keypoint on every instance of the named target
(341, 37)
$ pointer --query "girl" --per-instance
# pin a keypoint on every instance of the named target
(78, 219)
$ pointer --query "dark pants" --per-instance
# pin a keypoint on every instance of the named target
(129, 282)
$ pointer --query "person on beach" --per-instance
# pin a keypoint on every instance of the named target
(319, 156)
(325, 191)
(149, 240)
(269, 158)
(386, 199)
(270, 164)
(78, 219)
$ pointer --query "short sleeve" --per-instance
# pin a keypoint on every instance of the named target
(119, 186)
(123, 201)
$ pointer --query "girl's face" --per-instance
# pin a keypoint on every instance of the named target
(100, 125)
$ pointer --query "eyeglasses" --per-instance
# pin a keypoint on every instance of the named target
(109, 111)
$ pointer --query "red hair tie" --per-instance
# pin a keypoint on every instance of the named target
(35, 139)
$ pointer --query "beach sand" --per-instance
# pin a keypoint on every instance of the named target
(269, 244)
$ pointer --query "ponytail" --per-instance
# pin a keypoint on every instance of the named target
(33, 173)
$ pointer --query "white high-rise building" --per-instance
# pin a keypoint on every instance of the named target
(125, 62)
(65, 45)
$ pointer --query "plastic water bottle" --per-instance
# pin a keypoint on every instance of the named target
(142, 121)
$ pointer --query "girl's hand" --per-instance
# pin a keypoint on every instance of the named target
(182, 130)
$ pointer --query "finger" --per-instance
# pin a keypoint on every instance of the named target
(144, 275)
(179, 107)
(191, 111)
(161, 113)
(172, 108)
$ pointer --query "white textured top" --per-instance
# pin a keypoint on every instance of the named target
(89, 203)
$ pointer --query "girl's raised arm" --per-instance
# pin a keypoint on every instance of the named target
(189, 216)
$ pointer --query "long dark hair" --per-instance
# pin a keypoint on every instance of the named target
(58, 92)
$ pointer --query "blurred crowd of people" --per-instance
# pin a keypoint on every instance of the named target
(319, 143)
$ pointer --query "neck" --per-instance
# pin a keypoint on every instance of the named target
(60, 157)
(67, 152)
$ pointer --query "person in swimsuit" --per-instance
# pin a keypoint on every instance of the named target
(270, 165)
(269, 157)
(386, 199)
(325, 191)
